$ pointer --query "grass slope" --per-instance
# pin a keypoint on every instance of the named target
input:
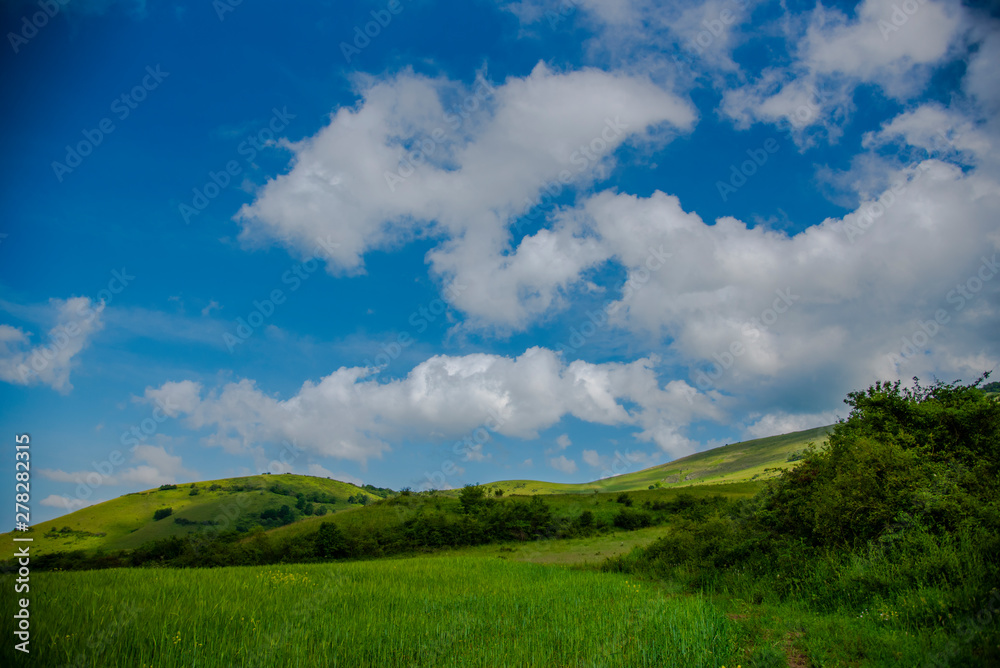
(737, 462)
(127, 522)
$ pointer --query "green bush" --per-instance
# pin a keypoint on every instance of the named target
(161, 513)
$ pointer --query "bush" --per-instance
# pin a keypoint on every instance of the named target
(161, 513)
(630, 520)
(625, 499)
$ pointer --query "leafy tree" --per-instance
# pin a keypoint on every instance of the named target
(330, 542)
(161, 513)
(471, 497)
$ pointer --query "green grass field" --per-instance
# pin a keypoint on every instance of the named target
(433, 611)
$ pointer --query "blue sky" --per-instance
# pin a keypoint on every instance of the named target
(485, 240)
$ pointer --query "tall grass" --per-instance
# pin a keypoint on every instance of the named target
(437, 611)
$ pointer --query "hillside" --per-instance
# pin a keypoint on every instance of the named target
(737, 462)
(127, 522)
(237, 503)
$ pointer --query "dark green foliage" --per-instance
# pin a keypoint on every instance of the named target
(630, 520)
(624, 499)
(471, 497)
(194, 491)
(902, 507)
(186, 522)
(161, 513)
(166, 487)
(330, 542)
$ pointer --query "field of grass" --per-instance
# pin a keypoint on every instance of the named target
(736, 462)
(433, 611)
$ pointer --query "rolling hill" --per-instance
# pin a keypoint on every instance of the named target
(127, 522)
(736, 462)
(217, 505)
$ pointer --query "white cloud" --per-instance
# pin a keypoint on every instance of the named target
(775, 424)
(153, 466)
(471, 180)
(320, 471)
(834, 300)
(592, 459)
(833, 54)
(49, 363)
(563, 441)
(351, 415)
(883, 44)
(65, 503)
(563, 464)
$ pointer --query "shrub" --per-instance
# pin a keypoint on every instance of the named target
(161, 513)
(630, 520)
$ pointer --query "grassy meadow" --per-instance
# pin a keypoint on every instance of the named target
(427, 611)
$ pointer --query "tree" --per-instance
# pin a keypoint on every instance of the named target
(471, 497)
(330, 542)
(161, 513)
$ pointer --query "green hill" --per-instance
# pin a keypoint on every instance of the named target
(128, 521)
(737, 462)
(215, 506)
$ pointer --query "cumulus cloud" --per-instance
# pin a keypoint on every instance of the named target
(851, 299)
(49, 363)
(832, 54)
(350, 414)
(421, 157)
(152, 466)
(563, 464)
(783, 423)
(65, 503)
(592, 459)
